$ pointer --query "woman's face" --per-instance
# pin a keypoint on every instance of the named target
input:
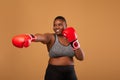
(58, 26)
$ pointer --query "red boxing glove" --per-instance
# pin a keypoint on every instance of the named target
(22, 40)
(71, 36)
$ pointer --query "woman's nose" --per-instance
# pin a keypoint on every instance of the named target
(56, 26)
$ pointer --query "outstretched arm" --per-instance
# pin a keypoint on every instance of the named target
(24, 40)
(44, 38)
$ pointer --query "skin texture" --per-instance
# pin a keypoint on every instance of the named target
(48, 38)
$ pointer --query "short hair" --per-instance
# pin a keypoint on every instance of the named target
(61, 18)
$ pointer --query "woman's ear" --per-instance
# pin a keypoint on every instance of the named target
(65, 26)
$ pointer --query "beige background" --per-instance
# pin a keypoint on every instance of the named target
(97, 23)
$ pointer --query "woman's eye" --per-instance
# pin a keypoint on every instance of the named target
(54, 25)
(59, 24)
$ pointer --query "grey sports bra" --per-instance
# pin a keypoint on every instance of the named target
(58, 50)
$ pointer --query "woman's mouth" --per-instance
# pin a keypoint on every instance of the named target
(57, 30)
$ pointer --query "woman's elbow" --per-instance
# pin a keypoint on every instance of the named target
(80, 58)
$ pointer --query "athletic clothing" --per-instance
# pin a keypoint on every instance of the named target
(54, 72)
(59, 50)
(60, 72)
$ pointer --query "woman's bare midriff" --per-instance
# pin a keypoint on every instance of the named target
(61, 61)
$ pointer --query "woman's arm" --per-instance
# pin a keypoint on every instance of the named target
(79, 54)
(24, 40)
(44, 38)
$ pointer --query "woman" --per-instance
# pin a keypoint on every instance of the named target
(62, 47)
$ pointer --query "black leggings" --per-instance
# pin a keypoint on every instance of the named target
(54, 72)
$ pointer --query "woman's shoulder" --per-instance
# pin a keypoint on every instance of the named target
(52, 40)
(50, 34)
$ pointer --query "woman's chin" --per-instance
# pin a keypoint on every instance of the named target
(58, 34)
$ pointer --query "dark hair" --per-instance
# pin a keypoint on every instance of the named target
(61, 18)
